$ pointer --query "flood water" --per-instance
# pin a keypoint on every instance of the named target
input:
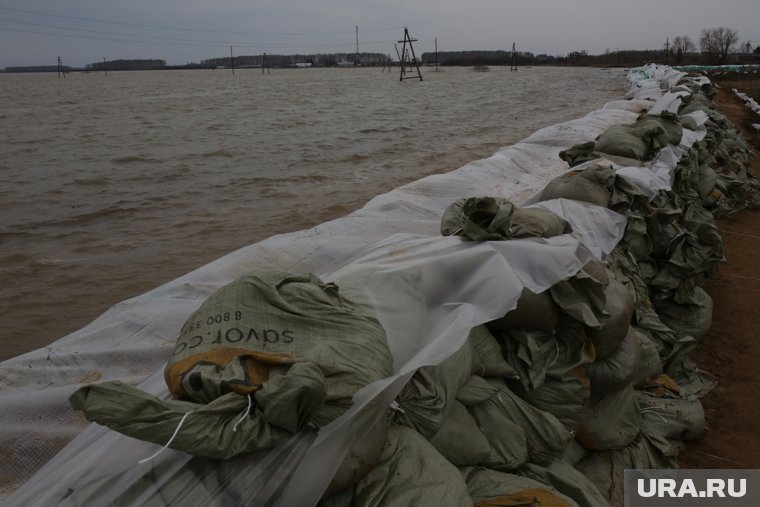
(112, 185)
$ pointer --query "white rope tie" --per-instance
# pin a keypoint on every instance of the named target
(556, 357)
(181, 422)
(655, 412)
(245, 414)
(397, 407)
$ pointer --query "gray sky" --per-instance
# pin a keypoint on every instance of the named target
(181, 31)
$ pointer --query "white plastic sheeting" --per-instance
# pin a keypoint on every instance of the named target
(428, 291)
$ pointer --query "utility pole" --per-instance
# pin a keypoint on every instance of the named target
(513, 66)
(356, 58)
(667, 49)
(232, 62)
(436, 54)
(61, 71)
(105, 67)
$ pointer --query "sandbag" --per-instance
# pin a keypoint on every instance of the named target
(495, 218)
(582, 296)
(566, 397)
(426, 399)
(617, 371)
(261, 358)
(593, 184)
(360, 460)
(619, 306)
(690, 319)
(411, 473)
(546, 437)
(669, 123)
(459, 438)
(533, 311)
(536, 354)
(612, 422)
(568, 481)
(488, 360)
(489, 488)
(640, 140)
(507, 440)
(650, 364)
(579, 153)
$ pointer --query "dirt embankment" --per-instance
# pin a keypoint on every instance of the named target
(731, 351)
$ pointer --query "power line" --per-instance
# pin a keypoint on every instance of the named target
(161, 38)
(192, 29)
(189, 42)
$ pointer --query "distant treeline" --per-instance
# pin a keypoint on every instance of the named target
(628, 58)
(39, 68)
(152, 64)
(315, 60)
(484, 58)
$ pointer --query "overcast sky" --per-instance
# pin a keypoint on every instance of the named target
(36, 32)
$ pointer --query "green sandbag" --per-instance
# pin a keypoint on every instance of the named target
(460, 440)
(619, 305)
(426, 399)
(507, 440)
(287, 349)
(362, 457)
(488, 360)
(219, 429)
(613, 422)
(617, 371)
(641, 140)
(545, 435)
(668, 121)
(411, 473)
(593, 184)
(693, 318)
(650, 364)
(566, 397)
(579, 153)
(490, 488)
(495, 218)
(582, 296)
(537, 354)
(533, 311)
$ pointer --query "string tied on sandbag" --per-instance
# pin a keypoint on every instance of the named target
(245, 414)
(655, 412)
(176, 431)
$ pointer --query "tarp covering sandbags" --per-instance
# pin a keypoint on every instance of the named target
(542, 336)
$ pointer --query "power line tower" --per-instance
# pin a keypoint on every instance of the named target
(61, 70)
(513, 66)
(405, 60)
(265, 64)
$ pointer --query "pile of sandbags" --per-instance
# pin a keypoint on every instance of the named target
(546, 405)
(596, 374)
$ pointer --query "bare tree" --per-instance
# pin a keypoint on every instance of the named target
(681, 45)
(718, 42)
